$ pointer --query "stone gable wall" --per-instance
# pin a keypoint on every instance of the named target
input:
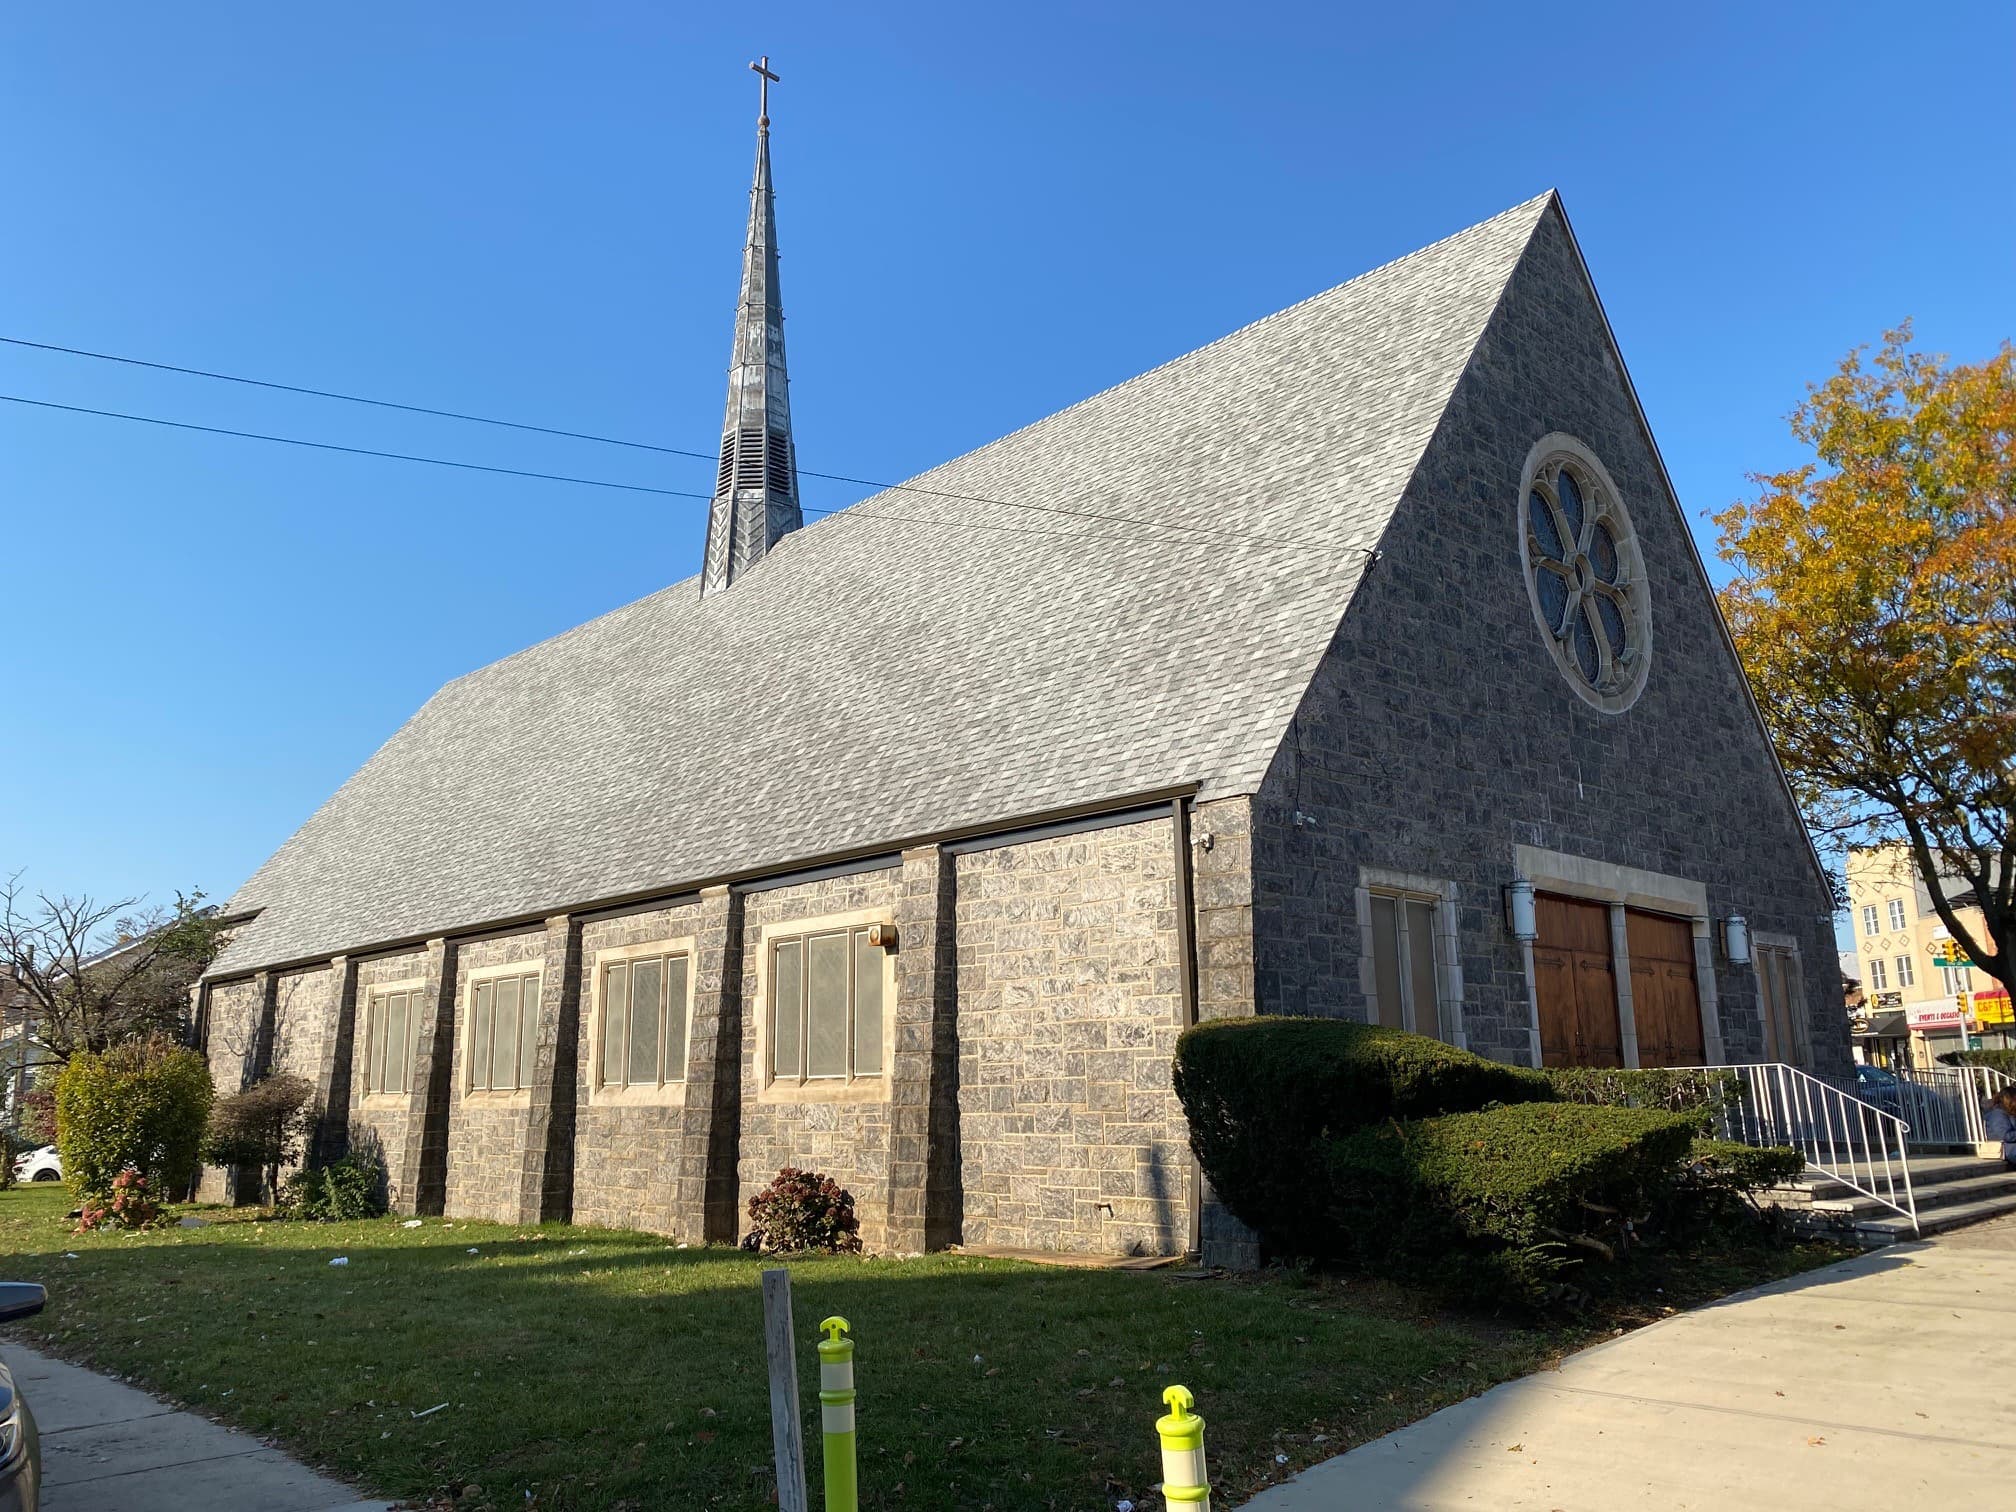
(1069, 1006)
(1438, 734)
(626, 1158)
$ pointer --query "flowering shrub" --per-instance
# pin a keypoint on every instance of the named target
(129, 1206)
(803, 1210)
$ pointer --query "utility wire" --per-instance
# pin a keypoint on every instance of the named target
(355, 451)
(572, 435)
(851, 511)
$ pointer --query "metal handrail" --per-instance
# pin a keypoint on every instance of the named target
(1945, 1104)
(1840, 1135)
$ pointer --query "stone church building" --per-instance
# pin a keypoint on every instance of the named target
(1359, 663)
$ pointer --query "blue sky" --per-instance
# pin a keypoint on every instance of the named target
(536, 212)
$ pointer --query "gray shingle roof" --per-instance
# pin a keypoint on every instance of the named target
(876, 679)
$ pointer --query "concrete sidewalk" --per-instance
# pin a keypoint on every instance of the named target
(1879, 1382)
(110, 1448)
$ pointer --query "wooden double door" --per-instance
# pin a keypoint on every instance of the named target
(1575, 978)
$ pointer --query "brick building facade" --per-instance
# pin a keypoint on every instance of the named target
(906, 854)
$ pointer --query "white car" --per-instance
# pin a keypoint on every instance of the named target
(39, 1165)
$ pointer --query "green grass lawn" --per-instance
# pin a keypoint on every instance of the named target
(588, 1368)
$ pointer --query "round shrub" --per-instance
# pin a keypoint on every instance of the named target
(1705, 1096)
(803, 1210)
(1261, 1094)
(140, 1106)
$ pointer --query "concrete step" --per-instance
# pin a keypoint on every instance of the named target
(1951, 1193)
(1893, 1228)
(1927, 1172)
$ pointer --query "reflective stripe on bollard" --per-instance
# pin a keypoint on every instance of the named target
(836, 1415)
(1184, 1482)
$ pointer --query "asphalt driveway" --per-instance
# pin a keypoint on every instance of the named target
(109, 1448)
(1879, 1382)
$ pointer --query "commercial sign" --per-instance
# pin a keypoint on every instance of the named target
(1992, 1007)
(1933, 1018)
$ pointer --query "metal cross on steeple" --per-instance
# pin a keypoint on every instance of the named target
(756, 490)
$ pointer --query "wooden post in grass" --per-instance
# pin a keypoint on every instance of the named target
(786, 1430)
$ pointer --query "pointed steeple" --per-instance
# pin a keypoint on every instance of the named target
(756, 491)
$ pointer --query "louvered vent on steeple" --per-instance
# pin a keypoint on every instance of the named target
(756, 488)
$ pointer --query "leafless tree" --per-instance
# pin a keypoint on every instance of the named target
(99, 973)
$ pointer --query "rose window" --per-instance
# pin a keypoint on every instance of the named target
(1583, 574)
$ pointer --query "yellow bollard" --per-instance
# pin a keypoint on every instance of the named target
(836, 1415)
(1184, 1483)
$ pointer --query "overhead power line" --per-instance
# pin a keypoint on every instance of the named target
(355, 451)
(574, 435)
(851, 511)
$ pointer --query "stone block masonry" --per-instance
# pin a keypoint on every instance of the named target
(848, 1140)
(634, 1163)
(1069, 1004)
(1034, 993)
(1437, 735)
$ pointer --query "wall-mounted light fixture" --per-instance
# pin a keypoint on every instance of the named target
(1736, 939)
(1519, 914)
(882, 935)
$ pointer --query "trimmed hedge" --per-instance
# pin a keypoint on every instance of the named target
(1701, 1097)
(1996, 1060)
(1262, 1093)
(1733, 1167)
(1499, 1201)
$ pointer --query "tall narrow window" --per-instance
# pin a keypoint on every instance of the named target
(1869, 924)
(787, 1008)
(388, 1041)
(643, 1025)
(1896, 913)
(1780, 994)
(503, 1032)
(826, 1006)
(1905, 977)
(1406, 974)
(1879, 975)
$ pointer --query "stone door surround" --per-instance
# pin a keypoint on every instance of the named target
(1620, 888)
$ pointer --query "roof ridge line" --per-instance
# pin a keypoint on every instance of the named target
(1546, 196)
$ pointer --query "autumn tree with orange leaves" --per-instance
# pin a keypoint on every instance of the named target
(1874, 603)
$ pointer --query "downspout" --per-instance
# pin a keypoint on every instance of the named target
(1186, 980)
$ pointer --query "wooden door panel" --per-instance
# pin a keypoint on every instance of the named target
(1571, 924)
(1575, 984)
(1658, 937)
(1601, 1039)
(1554, 984)
(1665, 1000)
(1667, 1007)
